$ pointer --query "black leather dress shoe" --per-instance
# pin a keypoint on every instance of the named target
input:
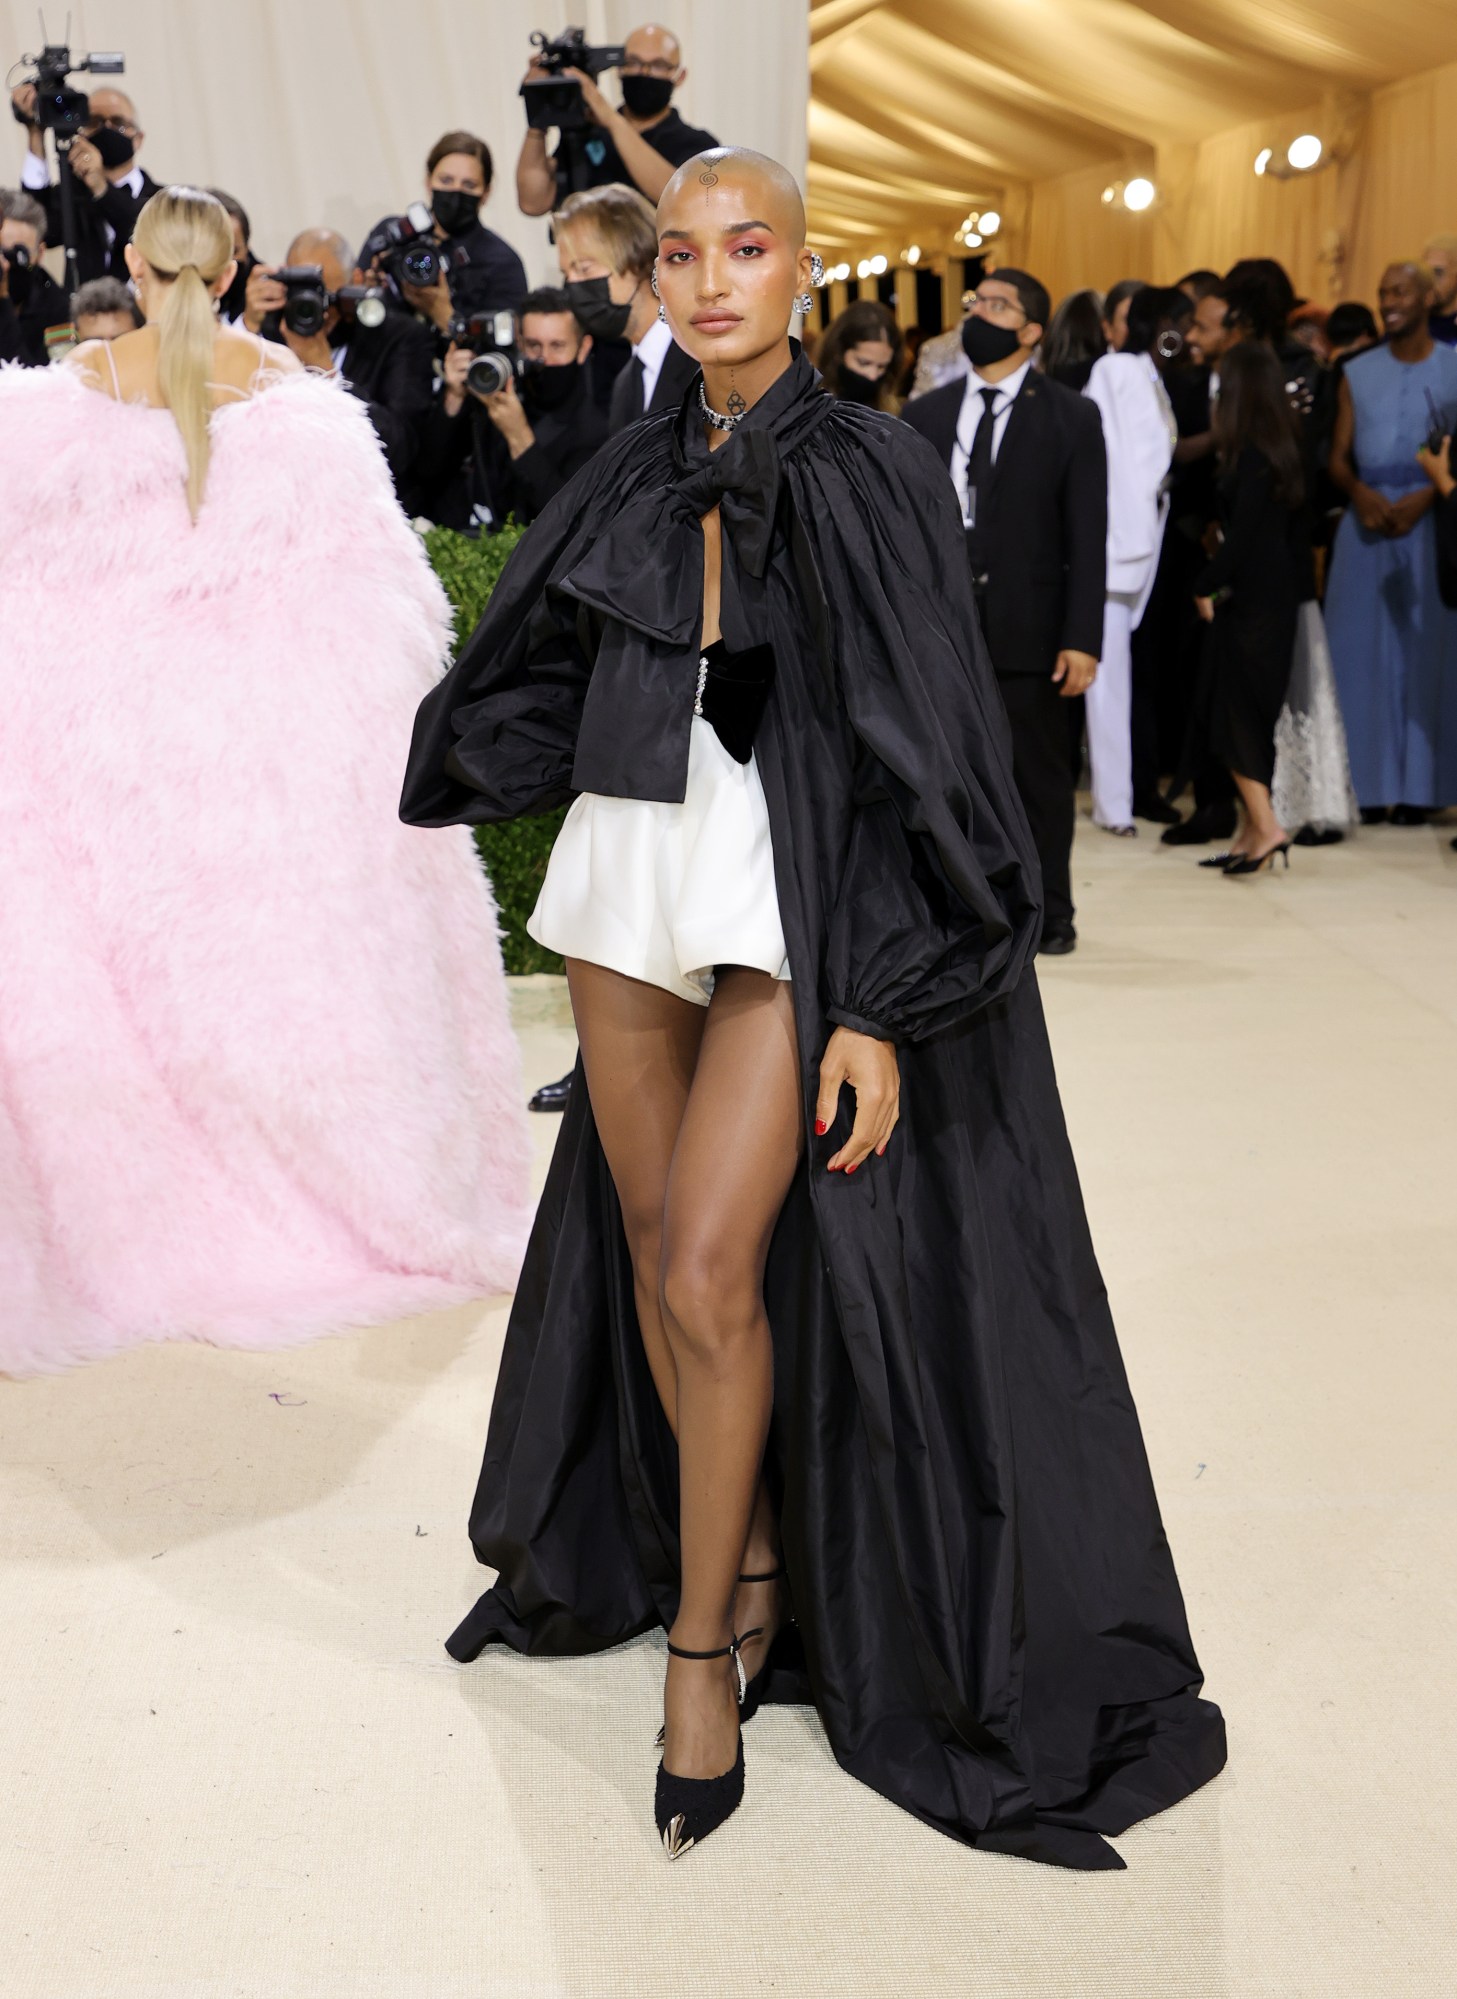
(1057, 940)
(1410, 815)
(552, 1096)
(1204, 823)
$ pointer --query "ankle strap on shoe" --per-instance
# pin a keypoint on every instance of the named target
(729, 1651)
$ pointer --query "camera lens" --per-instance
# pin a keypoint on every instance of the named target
(488, 374)
(420, 264)
(370, 311)
(304, 314)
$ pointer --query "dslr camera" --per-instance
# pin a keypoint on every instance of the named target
(557, 99)
(59, 108)
(309, 298)
(492, 336)
(405, 248)
(18, 270)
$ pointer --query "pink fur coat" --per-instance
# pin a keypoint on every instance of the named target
(257, 1078)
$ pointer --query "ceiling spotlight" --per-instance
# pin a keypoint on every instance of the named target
(1263, 158)
(878, 266)
(1304, 153)
(913, 255)
(1138, 194)
(842, 272)
(1110, 195)
(990, 223)
(862, 269)
(972, 240)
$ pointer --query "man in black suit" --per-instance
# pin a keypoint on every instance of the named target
(606, 246)
(390, 367)
(1030, 469)
(111, 188)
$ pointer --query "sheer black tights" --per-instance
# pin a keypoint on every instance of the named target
(700, 1118)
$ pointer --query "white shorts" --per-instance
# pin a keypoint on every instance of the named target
(664, 893)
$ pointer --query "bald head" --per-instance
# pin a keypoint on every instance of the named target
(654, 44)
(731, 177)
(327, 248)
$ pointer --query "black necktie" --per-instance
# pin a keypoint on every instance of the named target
(979, 480)
(637, 375)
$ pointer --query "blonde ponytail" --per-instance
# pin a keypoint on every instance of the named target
(187, 240)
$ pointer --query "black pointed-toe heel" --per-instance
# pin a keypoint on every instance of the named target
(1220, 861)
(1248, 864)
(688, 1809)
(751, 1692)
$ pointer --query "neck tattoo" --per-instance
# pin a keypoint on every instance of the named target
(735, 404)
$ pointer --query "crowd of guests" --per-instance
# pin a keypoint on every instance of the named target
(1158, 483)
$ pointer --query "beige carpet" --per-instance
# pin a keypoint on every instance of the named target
(238, 1764)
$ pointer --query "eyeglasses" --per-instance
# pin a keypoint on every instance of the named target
(634, 66)
(997, 307)
(113, 124)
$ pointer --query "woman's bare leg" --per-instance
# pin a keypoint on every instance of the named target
(639, 1047)
(1262, 831)
(737, 1151)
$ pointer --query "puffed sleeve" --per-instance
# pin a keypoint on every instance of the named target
(497, 738)
(940, 899)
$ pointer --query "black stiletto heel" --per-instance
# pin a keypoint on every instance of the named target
(688, 1809)
(753, 1692)
(1246, 864)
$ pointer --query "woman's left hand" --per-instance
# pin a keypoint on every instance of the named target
(1205, 607)
(873, 1073)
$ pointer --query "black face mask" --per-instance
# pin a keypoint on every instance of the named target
(548, 386)
(455, 210)
(852, 387)
(114, 147)
(646, 96)
(597, 312)
(986, 344)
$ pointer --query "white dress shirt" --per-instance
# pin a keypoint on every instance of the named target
(35, 174)
(652, 351)
(967, 424)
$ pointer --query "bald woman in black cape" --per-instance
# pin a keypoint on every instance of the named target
(811, 1362)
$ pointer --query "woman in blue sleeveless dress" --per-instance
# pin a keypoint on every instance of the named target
(1393, 641)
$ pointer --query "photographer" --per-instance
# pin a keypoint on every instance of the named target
(110, 186)
(482, 272)
(640, 144)
(389, 366)
(234, 301)
(104, 310)
(31, 302)
(487, 455)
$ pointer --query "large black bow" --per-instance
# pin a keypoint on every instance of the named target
(741, 479)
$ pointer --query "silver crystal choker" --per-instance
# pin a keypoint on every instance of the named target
(716, 417)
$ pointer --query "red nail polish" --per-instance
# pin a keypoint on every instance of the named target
(820, 1127)
(851, 1169)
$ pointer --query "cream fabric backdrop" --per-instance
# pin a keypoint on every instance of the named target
(323, 110)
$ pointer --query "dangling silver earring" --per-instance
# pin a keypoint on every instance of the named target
(804, 304)
(662, 309)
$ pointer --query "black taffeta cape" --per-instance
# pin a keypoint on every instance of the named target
(994, 1633)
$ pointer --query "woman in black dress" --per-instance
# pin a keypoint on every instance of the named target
(827, 1388)
(1252, 589)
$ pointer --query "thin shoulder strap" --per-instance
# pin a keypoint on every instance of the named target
(115, 378)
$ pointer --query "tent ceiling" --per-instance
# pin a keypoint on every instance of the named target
(921, 109)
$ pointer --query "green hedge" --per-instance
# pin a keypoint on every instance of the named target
(515, 855)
